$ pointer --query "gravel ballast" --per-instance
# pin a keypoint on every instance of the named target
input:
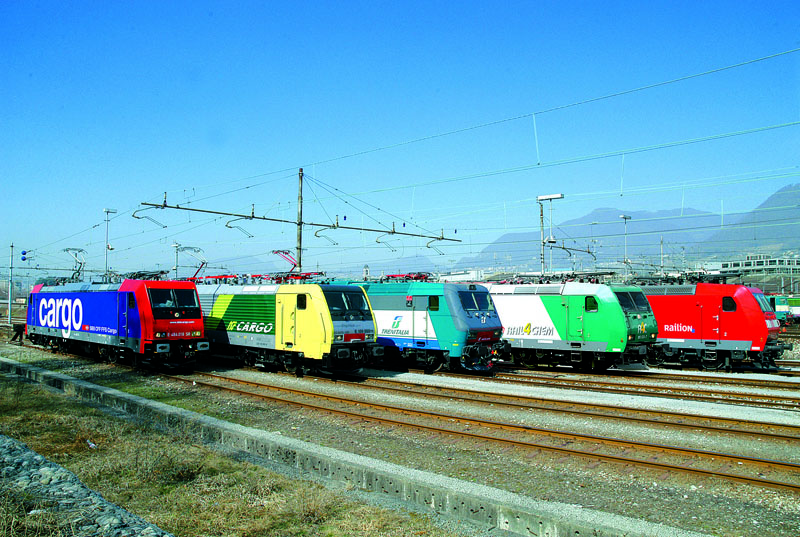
(707, 506)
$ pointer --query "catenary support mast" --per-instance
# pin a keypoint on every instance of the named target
(300, 222)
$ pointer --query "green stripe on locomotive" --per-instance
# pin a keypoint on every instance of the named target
(575, 320)
(587, 315)
(243, 313)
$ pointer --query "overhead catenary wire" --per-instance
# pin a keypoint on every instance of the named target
(514, 118)
(505, 120)
(336, 192)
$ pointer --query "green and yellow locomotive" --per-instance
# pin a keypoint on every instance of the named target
(294, 327)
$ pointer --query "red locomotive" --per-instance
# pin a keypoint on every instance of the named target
(714, 326)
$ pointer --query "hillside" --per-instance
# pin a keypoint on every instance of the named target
(597, 240)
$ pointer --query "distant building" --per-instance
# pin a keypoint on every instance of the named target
(476, 275)
(757, 264)
(771, 274)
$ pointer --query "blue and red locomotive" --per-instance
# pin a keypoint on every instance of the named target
(140, 320)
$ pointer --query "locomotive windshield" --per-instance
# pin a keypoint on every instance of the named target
(762, 302)
(172, 303)
(475, 301)
(632, 301)
(347, 305)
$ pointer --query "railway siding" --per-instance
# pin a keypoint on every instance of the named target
(483, 505)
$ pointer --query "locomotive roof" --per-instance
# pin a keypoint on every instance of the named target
(699, 288)
(225, 288)
(418, 286)
(124, 285)
(81, 286)
(567, 288)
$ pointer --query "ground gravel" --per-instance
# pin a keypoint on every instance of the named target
(712, 506)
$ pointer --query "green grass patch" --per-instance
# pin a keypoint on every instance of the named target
(172, 481)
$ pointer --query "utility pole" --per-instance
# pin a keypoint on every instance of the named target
(625, 218)
(550, 238)
(10, 281)
(106, 279)
(176, 245)
(541, 228)
(300, 222)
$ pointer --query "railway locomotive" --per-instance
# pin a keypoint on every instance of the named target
(323, 328)
(436, 325)
(794, 308)
(586, 325)
(780, 305)
(714, 326)
(144, 321)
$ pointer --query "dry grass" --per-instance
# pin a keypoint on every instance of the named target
(181, 487)
(22, 515)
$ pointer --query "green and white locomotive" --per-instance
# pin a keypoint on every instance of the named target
(585, 325)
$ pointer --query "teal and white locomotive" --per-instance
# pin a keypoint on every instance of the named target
(436, 325)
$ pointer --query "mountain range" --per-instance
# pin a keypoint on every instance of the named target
(674, 238)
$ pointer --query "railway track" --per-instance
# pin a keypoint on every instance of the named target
(561, 380)
(752, 470)
(679, 420)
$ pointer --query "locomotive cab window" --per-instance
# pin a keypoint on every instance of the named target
(762, 302)
(632, 301)
(169, 303)
(591, 304)
(475, 301)
(348, 304)
(728, 303)
(301, 302)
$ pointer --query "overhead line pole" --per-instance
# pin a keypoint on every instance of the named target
(10, 281)
(300, 222)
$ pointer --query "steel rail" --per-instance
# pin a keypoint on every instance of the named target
(736, 459)
(531, 403)
(767, 401)
(777, 385)
(710, 379)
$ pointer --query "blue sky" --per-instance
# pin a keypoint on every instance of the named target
(415, 112)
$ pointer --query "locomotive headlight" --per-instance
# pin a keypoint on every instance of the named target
(652, 336)
(630, 337)
(161, 334)
(497, 333)
(472, 335)
(196, 333)
(339, 337)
